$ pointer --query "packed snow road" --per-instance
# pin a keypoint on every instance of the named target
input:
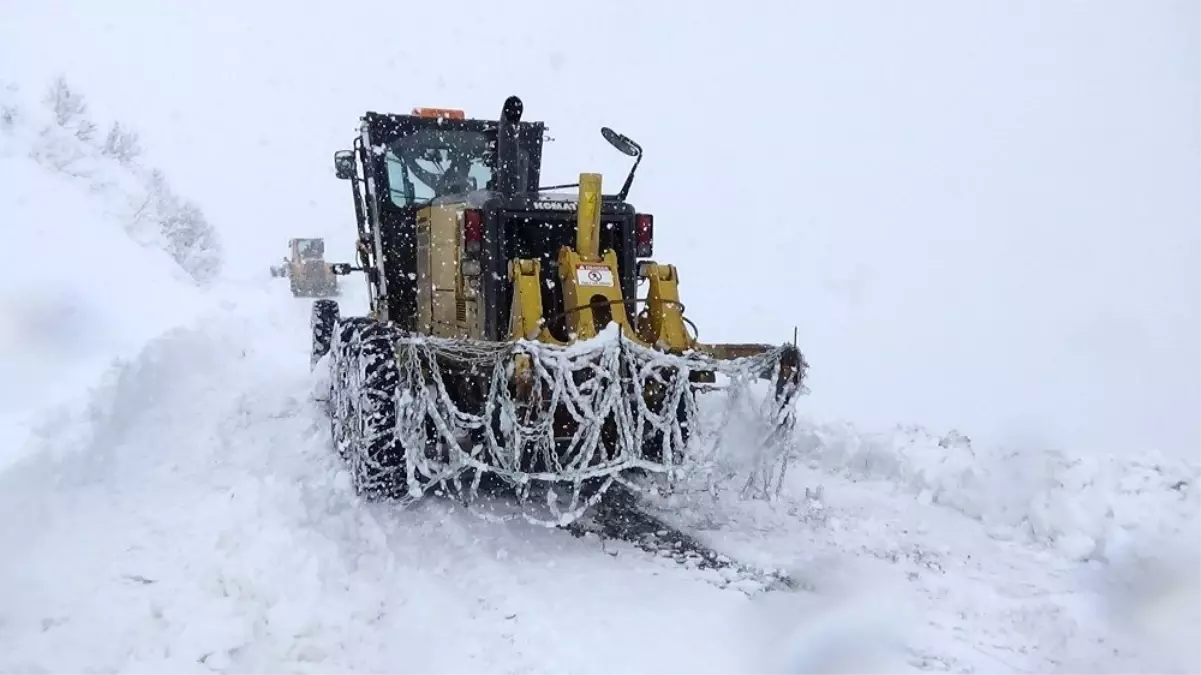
(192, 517)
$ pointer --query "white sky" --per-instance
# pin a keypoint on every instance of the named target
(984, 215)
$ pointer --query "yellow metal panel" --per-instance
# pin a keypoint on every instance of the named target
(588, 231)
(525, 315)
(425, 302)
(665, 318)
(444, 269)
(591, 293)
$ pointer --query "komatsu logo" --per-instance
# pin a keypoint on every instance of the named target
(548, 205)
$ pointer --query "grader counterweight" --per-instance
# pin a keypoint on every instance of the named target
(504, 336)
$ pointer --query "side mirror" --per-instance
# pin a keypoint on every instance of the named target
(344, 164)
(623, 144)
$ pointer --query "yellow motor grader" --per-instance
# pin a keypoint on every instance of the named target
(505, 336)
(308, 273)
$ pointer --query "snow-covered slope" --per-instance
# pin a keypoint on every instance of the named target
(94, 265)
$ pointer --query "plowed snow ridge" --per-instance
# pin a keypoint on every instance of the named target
(87, 278)
(199, 520)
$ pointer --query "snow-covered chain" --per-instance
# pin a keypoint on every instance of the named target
(599, 384)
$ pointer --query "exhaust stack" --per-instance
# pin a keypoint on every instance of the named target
(510, 173)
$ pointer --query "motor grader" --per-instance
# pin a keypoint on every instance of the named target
(307, 272)
(505, 337)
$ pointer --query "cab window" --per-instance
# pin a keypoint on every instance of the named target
(431, 163)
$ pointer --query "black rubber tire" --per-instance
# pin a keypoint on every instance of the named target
(324, 318)
(375, 458)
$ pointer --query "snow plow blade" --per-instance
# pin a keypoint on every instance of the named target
(504, 341)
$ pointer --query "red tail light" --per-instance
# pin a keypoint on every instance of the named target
(473, 231)
(644, 235)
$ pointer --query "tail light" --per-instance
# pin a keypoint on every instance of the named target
(644, 235)
(473, 231)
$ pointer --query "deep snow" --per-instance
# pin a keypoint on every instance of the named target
(192, 517)
(86, 277)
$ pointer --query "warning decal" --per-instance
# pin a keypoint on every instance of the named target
(593, 275)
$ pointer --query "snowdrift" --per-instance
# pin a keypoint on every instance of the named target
(98, 262)
(1088, 506)
(221, 534)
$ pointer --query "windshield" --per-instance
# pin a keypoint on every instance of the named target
(431, 163)
(310, 248)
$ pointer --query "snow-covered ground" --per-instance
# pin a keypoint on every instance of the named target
(191, 517)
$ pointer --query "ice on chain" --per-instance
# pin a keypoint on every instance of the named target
(600, 384)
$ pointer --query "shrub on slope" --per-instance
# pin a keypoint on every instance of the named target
(58, 134)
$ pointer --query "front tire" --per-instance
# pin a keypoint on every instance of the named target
(322, 321)
(364, 377)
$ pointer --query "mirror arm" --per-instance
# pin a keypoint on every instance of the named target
(625, 188)
(558, 187)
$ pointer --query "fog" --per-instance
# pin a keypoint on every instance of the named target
(979, 215)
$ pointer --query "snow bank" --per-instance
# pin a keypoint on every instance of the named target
(96, 261)
(1088, 507)
(177, 487)
(192, 517)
